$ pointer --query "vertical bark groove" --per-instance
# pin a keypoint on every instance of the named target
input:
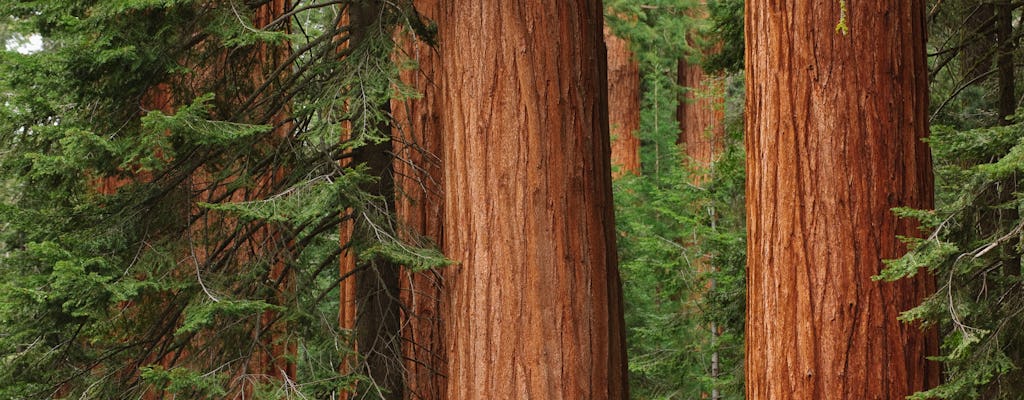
(419, 205)
(834, 129)
(700, 114)
(535, 298)
(623, 105)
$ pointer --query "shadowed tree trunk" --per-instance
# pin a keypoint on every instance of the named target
(1004, 61)
(833, 137)
(623, 105)
(376, 288)
(534, 305)
(419, 205)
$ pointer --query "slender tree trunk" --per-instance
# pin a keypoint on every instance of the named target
(623, 105)
(535, 299)
(377, 297)
(1004, 62)
(834, 129)
(979, 43)
(276, 361)
(419, 205)
(347, 260)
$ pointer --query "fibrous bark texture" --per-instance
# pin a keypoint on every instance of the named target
(700, 114)
(623, 105)
(419, 205)
(833, 137)
(534, 304)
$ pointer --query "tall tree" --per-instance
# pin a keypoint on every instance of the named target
(836, 115)
(376, 287)
(700, 114)
(535, 296)
(276, 361)
(701, 117)
(419, 204)
(1004, 61)
(623, 104)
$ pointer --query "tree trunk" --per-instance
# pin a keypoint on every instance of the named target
(419, 205)
(347, 259)
(700, 115)
(623, 105)
(1004, 62)
(378, 307)
(534, 304)
(834, 129)
(277, 361)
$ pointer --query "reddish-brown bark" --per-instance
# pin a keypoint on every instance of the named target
(347, 260)
(534, 304)
(623, 105)
(700, 114)
(419, 206)
(833, 137)
(274, 361)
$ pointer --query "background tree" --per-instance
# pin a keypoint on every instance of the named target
(177, 281)
(624, 99)
(419, 202)
(660, 214)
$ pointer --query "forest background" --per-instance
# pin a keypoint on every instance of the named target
(181, 179)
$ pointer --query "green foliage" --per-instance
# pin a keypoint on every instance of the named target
(173, 186)
(974, 250)
(184, 382)
(842, 26)
(676, 237)
(727, 29)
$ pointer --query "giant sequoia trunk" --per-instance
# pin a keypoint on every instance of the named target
(834, 129)
(700, 115)
(534, 303)
(623, 104)
(419, 205)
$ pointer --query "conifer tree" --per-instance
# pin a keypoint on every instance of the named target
(623, 103)
(535, 296)
(834, 140)
(419, 201)
(186, 251)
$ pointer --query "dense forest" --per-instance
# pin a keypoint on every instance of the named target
(571, 199)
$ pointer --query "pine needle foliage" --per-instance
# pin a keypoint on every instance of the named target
(974, 249)
(174, 181)
(973, 236)
(670, 229)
